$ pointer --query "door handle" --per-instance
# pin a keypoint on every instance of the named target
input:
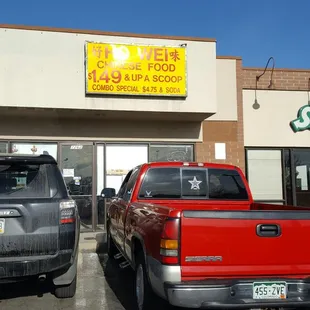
(268, 230)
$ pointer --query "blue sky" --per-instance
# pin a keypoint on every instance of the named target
(253, 29)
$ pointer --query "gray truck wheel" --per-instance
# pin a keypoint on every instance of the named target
(143, 291)
(67, 291)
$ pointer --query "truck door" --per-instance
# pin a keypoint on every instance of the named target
(124, 201)
(126, 237)
(117, 209)
(121, 205)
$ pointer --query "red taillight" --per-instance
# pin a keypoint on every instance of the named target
(171, 229)
(67, 211)
(169, 242)
(67, 221)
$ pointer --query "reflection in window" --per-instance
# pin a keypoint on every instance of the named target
(288, 177)
(226, 184)
(190, 183)
(131, 183)
(266, 173)
(171, 153)
(35, 148)
(301, 160)
(3, 147)
(302, 178)
(77, 165)
(161, 183)
(24, 181)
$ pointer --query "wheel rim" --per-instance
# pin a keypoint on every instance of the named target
(140, 287)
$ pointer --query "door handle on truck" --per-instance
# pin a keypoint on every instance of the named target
(268, 230)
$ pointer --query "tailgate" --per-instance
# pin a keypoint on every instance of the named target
(245, 243)
(29, 228)
(29, 211)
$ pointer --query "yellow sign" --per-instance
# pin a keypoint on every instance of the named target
(122, 69)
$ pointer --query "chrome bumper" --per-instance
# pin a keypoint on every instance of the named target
(235, 294)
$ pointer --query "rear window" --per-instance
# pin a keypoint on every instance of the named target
(192, 183)
(24, 181)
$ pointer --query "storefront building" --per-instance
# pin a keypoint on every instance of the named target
(276, 135)
(101, 103)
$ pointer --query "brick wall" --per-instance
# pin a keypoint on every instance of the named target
(229, 132)
(283, 79)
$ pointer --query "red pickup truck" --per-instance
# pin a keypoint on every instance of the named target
(194, 237)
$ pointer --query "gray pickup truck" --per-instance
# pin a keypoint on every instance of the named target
(39, 223)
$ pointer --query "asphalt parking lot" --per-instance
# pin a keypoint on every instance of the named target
(101, 285)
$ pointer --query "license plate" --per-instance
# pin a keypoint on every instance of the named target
(2, 226)
(269, 290)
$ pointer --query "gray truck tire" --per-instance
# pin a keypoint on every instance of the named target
(144, 296)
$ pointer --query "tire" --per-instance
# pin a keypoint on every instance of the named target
(111, 247)
(144, 296)
(67, 291)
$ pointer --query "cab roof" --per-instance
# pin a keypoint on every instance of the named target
(190, 164)
(27, 158)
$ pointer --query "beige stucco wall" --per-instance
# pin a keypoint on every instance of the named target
(270, 125)
(94, 128)
(226, 90)
(46, 69)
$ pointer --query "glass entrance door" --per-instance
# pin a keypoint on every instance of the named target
(76, 162)
(301, 161)
(113, 163)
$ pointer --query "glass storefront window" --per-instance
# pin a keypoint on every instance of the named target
(301, 159)
(34, 148)
(120, 159)
(4, 147)
(265, 174)
(77, 168)
(288, 177)
(160, 152)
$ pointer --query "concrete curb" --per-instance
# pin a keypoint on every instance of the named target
(92, 242)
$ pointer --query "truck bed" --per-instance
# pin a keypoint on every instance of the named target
(220, 243)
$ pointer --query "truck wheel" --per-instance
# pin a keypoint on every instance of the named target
(67, 291)
(111, 248)
(143, 291)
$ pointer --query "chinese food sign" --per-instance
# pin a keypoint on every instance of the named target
(122, 69)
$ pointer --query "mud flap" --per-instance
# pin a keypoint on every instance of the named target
(67, 277)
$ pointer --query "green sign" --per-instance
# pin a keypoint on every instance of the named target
(302, 122)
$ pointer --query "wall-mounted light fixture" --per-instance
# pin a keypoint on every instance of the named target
(256, 105)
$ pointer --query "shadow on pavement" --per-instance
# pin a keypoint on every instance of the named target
(24, 289)
(121, 281)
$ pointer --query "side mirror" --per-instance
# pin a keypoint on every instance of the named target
(108, 192)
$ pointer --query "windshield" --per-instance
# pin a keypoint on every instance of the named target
(193, 183)
(24, 181)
